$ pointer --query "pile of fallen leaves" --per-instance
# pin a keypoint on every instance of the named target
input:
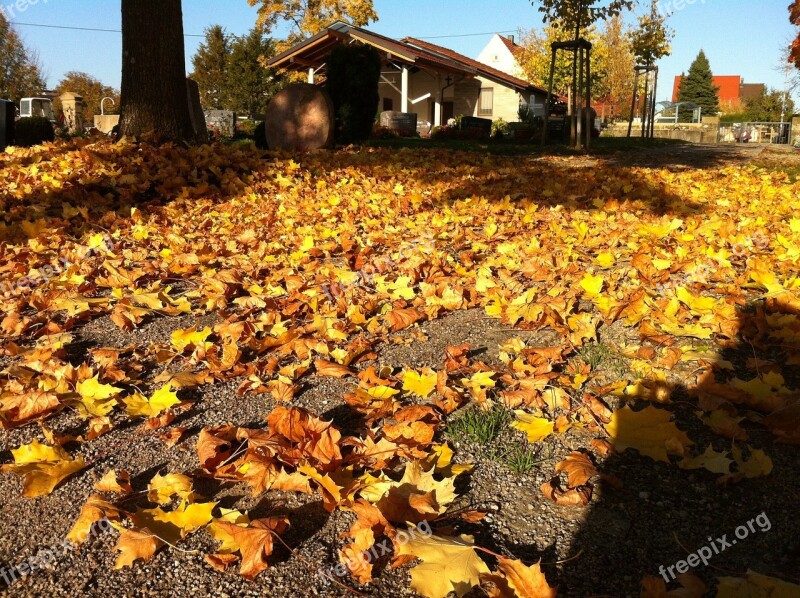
(308, 264)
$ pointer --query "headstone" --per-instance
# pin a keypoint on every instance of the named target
(300, 118)
(473, 123)
(222, 121)
(72, 105)
(402, 122)
(196, 111)
(7, 114)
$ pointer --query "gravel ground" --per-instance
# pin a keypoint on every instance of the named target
(653, 515)
(658, 514)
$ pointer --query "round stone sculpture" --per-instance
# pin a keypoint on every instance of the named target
(300, 118)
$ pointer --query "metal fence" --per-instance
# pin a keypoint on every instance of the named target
(763, 133)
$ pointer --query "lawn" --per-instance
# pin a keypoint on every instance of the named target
(398, 370)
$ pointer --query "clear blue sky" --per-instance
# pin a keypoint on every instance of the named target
(740, 37)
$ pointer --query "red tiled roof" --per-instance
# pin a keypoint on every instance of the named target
(483, 69)
(512, 47)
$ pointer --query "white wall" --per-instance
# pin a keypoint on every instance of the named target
(497, 55)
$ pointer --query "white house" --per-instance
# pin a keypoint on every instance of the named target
(501, 53)
(432, 81)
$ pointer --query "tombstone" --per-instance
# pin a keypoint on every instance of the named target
(72, 105)
(223, 121)
(404, 123)
(300, 118)
(483, 126)
(196, 112)
(7, 114)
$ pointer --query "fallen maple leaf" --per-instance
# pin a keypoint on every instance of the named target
(649, 431)
(448, 564)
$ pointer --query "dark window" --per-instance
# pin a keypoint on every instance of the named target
(388, 104)
(486, 102)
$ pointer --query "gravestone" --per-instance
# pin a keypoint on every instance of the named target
(196, 111)
(7, 114)
(300, 118)
(72, 105)
(223, 121)
(402, 122)
(473, 123)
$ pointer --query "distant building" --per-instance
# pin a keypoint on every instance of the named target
(733, 91)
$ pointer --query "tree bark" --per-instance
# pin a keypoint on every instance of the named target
(154, 96)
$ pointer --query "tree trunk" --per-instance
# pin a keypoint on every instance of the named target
(154, 96)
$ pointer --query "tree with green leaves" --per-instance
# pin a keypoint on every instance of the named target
(769, 106)
(578, 15)
(20, 72)
(250, 85)
(92, 90)
(211, 64)
(698, 87)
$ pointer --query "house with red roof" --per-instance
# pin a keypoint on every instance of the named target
(419, 77)
(733, 91)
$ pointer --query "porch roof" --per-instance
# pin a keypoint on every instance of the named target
(313, 52)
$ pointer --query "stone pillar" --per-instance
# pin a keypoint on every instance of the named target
(72, 105)
(794, 133)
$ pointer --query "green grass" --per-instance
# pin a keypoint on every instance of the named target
(522, 458)
(790, 168)
(601, 357)
(479, 426)
(484, 428)
(599, 146)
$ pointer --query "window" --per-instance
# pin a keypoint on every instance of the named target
(486, 102)
(388, 104)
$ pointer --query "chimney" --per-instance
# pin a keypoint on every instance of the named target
(511, 38)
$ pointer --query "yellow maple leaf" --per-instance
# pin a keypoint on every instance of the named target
(755, 585)
(96, 399)
(536, 428)
(592, 285)
(162, 399)
(161, 489)
(649, 431)
(448, 564)
(420, 383)
(42, 467)
(191, 337)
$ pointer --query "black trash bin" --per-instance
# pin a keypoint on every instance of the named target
(8, 112)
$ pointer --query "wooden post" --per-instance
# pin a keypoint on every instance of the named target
(645, 100)
(589, 123)
(655, 99)
(549, 97)
(573, 101)
(633, 102)
(579, 96)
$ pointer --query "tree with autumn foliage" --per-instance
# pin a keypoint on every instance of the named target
(92, 90)
(794, 18)
(20, 72)
(308, 17)
(650, 41)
